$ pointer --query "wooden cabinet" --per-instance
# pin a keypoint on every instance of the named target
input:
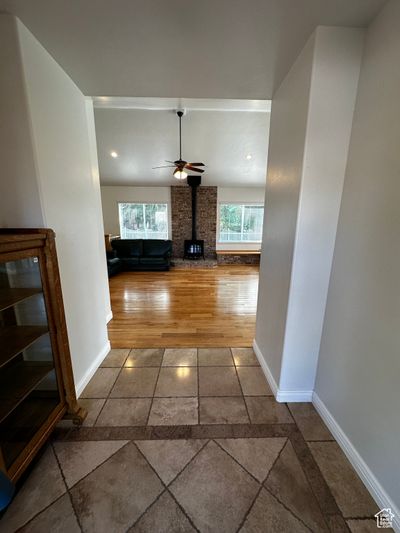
(36, 380)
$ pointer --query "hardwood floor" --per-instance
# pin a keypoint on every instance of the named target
(184, 307)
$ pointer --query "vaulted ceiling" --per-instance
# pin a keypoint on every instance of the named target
(181, 48)
(215, 49)
(230, 137)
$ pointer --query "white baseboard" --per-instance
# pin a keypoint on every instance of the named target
(92, 369)
(293, 396)
(109, 317)
(281, 396)
(374, 487)
(265, 368)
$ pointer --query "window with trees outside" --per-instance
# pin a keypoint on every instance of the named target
(240, 222)
(143, 221)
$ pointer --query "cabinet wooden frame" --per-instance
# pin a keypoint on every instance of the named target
(17, 244)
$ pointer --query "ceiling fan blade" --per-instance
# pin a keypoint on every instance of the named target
(167, 161)
(164, 166)
(197, 164)
(194, 169)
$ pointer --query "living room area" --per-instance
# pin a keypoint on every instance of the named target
(183, 249)
(230, 363)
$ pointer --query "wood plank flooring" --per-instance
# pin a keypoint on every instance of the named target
(184, 307)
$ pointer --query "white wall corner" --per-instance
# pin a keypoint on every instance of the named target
(370, 481)
(109, 316)
(92, 369)
(265, 368)
(281, 396)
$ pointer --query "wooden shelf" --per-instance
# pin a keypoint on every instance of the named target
(21, 426)
(10, 297)
(15, 339)
(17, 382)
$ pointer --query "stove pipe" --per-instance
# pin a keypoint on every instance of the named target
(194, 182)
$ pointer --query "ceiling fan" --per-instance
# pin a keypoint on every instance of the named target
(180, 165)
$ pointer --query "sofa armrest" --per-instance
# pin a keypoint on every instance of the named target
(111, 254)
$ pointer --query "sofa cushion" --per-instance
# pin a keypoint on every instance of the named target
(156, 248)
(128, 247)
(128, 262)
(153, 261)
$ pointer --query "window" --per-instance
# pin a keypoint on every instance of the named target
(143, 221)
(240, 223)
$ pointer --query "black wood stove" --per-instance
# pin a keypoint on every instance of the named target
(193, 248)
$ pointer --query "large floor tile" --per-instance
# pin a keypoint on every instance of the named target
(255, 455)
(351, 496)
(93, 407)
(145, 357)
(215, 357)
(222, 410)
(78, 459)
(114, 496)
(58, 518)
(309, 422)
(125, 412)
(253, 382)
(169, 457)
(173, 412)
(288, 483)
(135, 382)
(266, 410)
(101, 383)
(244, 357)
(215, 491)
(177, 381)
(115, 358)
(43, 486)
(164, 516)
(268, 515)
(218, 381)
(180, 357)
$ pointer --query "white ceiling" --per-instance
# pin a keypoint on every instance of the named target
(219, 134)
(175, 48)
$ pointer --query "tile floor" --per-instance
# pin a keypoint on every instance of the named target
(184, 440)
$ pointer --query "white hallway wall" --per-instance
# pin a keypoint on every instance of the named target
(111, 195)
(310, 129)
(51, 158)
(358, 365)
(359, 362)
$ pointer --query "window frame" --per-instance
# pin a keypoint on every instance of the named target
(143, 204)
(245, 204)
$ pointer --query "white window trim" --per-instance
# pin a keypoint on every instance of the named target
(144, 203)
(255, 204)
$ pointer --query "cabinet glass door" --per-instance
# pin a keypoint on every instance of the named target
(28, 383)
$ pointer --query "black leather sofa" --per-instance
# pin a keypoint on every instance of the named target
(139, 254)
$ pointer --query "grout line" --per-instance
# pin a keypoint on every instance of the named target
(327, 490)
(215, 441)
(67, 488)
(191, 396)
(154, 390)
(108, 395)
(97, 466)
(276, 460)
(241, 389)
(249, 509)
(289, 510)
(164, 484)
(183, 510)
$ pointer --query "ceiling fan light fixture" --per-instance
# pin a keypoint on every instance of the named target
(180, 174)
